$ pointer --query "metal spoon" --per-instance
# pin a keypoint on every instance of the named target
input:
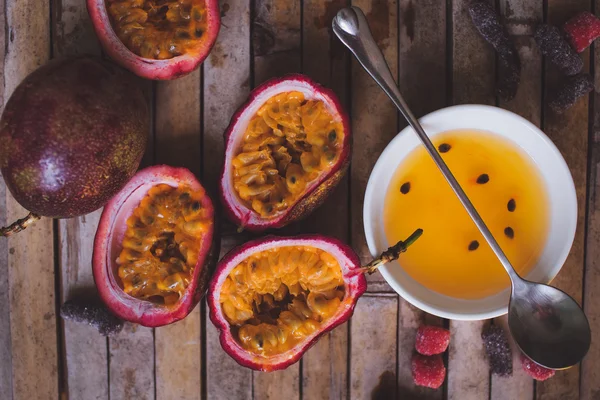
(546, 323)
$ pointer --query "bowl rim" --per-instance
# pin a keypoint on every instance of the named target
(437, 117)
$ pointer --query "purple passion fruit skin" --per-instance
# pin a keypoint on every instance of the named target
(155, 247)
(354, 285)
(315, 193)
(151, 68)
(71, 135)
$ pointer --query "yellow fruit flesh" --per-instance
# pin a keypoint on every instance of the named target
(159, 29)
(161, 244)
(288, 144)
(275, 298)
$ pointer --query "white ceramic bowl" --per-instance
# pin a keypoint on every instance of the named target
(553, 169)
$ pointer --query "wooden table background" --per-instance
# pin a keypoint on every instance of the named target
(439, 60)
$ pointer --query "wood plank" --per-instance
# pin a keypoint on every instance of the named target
(179, 143)
(520, 17)
(472, 82)
(468, 370)
(85, 350)
(590, 367)
(131, 360)
(373, 333)
(31, 253)
(374, 122)
(5, 336)
(569, 132)
(226, 86)
(325, 366)
(276, 45)
(422, 80)
(409, 320)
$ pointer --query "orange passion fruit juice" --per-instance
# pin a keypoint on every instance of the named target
(452, 257)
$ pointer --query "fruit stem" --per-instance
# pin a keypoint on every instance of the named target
(392, 253)
(19, 225)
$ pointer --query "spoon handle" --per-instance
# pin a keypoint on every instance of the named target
(351, 27)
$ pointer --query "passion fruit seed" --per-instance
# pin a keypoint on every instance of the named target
(509, 232)
(159, 29)
(405, 188)
(474, 245)
(512, 205)
(444, 148)
(288, 144)
(483, 179)
(161, 244)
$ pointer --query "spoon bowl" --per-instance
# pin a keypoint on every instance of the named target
(547, 325)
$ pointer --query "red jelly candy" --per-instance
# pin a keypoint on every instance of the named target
(534, 370)
(582, 30)
(432, 340)
(428, 371)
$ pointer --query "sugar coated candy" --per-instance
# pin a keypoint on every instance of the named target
(498, 350)
(428, 371)
(582, 30)
(534, 370)
(432, 340)
(570, 91)
(93, 313)
(553, 45)
(487, 22)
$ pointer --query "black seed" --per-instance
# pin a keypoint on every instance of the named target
(269, 209)
(198, 33)
(512, 205)
(483, 178)
(280, 127)
(474, 245)
(183, 35)
(184, 196)
(508, 231)
(405, 188)
(293, 179)
(195, 206)
(332, 136)
(444, 148)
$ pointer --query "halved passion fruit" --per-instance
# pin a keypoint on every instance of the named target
(154, 246)
(156, 39)
(272, 298)
(286, 148)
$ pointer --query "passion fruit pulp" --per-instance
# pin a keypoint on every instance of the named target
(57, 158)
(156, 39)
(154, 247)
(272, 298)
(286, 148)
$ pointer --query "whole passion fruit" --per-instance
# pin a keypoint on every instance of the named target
(285, 149)
(71, 135)
(156, 39)
(273, 298)
(154, 247)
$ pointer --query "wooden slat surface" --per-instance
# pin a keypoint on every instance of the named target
(226, 86)
(438, 58)
(179, 143)
(325, 366)
(31, 285)
(569, 132)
